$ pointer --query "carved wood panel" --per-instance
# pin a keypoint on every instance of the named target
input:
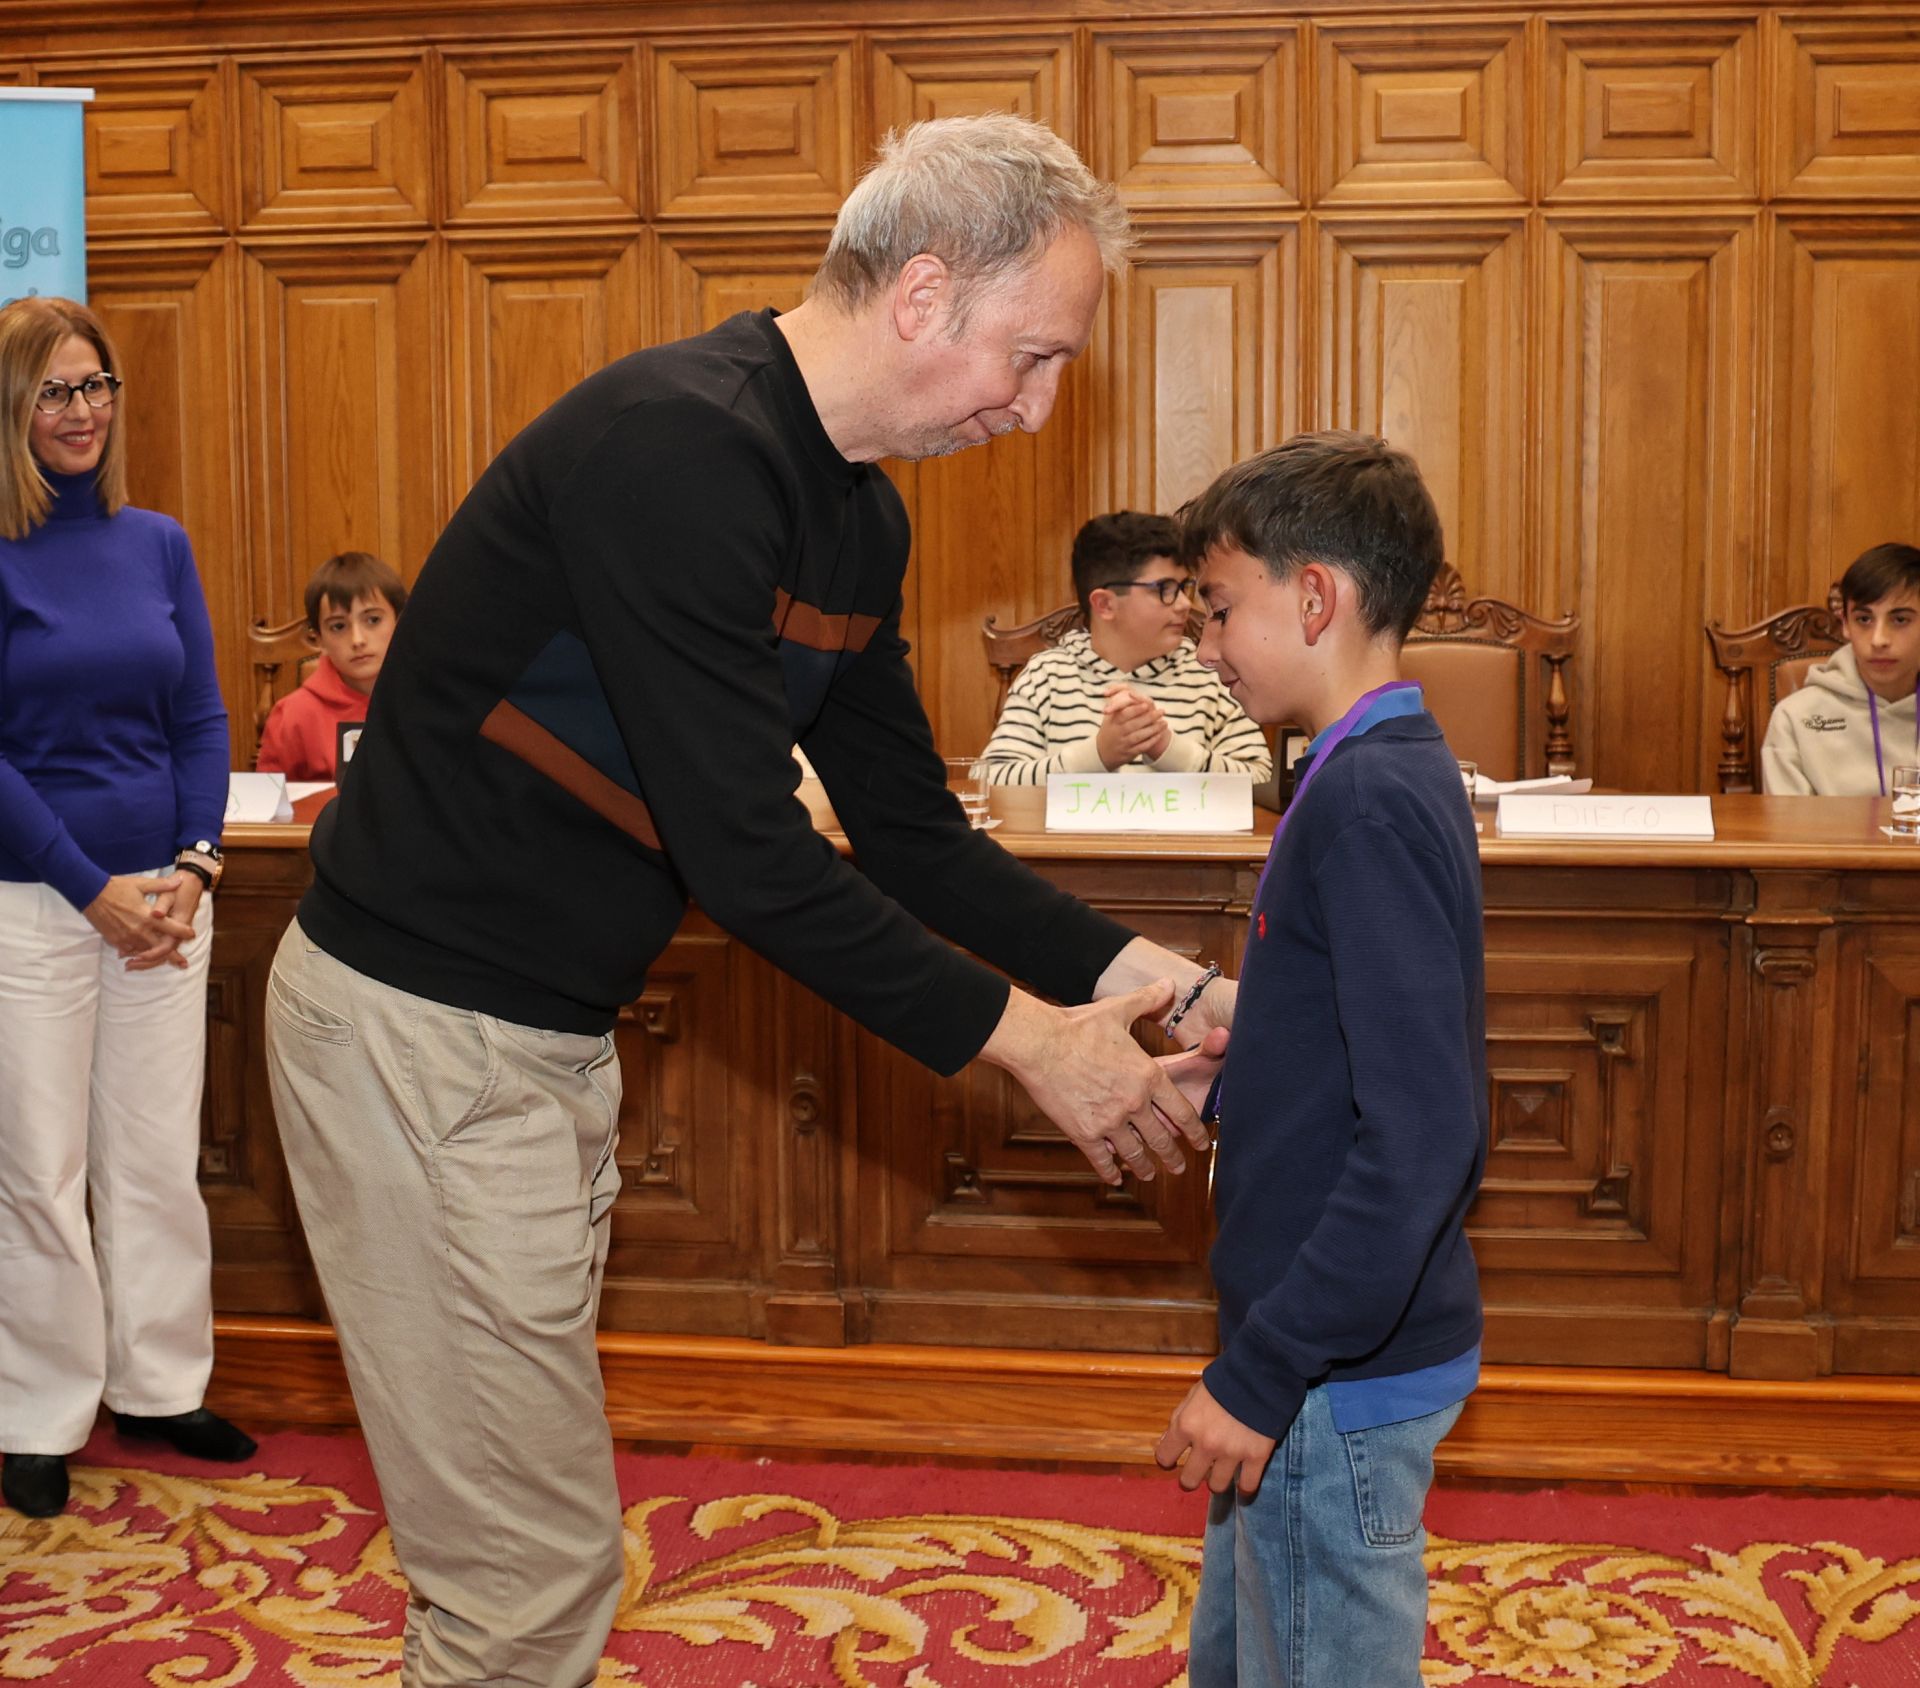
(1204, 115)
(1846, 434)
(1648, 468)
(1434, 112)
(1651, 109)
(913, 78)
(344, 410)
(156, 155)
(174, 316)
(1422, 340)
(542, 135)
(762, 131)
(1198, 354)
(335, 140)
(706, 278)
(1847, 106)
(530, 320)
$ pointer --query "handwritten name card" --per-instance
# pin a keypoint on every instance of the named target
(1552, 815)
(1137, 802)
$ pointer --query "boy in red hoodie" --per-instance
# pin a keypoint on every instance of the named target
(353, 600)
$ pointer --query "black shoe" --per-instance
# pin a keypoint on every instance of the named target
(36, 1484)
(199, 1434)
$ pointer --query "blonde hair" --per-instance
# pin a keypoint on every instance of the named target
(985, 193)
(31, 331)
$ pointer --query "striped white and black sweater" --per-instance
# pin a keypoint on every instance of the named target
(1055, 708)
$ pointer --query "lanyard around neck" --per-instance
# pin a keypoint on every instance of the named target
(1873, 714)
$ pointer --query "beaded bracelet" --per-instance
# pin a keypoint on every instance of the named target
(1195, 991)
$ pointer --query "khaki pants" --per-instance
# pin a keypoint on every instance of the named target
(455, 1176)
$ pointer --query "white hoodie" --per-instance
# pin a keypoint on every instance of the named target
(1820, 740)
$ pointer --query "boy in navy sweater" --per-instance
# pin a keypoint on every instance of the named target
(1352, 1103)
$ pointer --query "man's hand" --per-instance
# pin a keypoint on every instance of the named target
(1086, 1073)
(1217, 1446)
(1132, 727)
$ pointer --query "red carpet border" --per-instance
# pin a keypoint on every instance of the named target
(747, 1574)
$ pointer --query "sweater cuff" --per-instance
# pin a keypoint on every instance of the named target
(71, 872)
(1185, 754)
(1260, 1392)
(1082, 756)
(970, 1005)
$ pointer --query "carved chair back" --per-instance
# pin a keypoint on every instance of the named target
(1762, 664)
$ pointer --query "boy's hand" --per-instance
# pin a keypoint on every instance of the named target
(1194, 1070)
(1217, 1445)
(1133, 726)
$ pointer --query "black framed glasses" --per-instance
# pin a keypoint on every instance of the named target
(98, 390)
(1170, 591)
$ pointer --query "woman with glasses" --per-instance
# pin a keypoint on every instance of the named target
(113, 782)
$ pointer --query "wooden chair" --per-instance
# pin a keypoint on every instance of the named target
(1495, 679)
(1780, 651)
(1010, 649)
(281, 658)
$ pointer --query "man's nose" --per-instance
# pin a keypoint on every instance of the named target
(1036, 399)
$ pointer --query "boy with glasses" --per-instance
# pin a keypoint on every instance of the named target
(1125, 690)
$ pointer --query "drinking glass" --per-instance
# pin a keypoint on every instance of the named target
(967, 780)
(1469, 774)
(1904, 784)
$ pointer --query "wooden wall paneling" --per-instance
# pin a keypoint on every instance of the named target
(1651, 109)
(530, 319)
(1648, 401)
(1785, 1126)
(174, 314)
(915, 77)
(156, 145)
(706, 276)
(1436, 111)
(1198, 363)
(684, 1254)
(1873, 1206)
(1603, 1070)
(1202, 117)
(542, 134)
(1845, 427)
(330, 141)
(1421, 339)
(1846, 119)
(345, 409)
(753, 131)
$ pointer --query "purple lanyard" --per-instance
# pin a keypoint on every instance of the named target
(1339, 731)
(1873, 712)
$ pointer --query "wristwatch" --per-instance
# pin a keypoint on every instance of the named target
(203, 860)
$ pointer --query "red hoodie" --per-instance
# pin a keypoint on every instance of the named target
(301, 736)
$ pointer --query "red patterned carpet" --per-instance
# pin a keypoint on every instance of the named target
(761, 1575)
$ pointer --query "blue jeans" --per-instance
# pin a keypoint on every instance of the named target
(1318, 1580)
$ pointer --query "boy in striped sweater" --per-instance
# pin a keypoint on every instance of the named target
(1127, 691)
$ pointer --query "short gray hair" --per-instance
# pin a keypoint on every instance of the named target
(987, 194)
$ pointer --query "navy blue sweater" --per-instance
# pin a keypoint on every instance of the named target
(1353, 1104)
(113, 738)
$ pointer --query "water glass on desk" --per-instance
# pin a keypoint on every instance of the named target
(1469, 775)
(967, 780)
(1904, 786)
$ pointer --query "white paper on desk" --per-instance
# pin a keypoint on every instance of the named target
(297, 789)
(1635, 815)
(257, 799)
(1486, 790)
(1135, 801)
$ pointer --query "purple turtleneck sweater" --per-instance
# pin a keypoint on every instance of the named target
(113, 738)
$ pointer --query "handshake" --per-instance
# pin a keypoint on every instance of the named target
(1118, 1105)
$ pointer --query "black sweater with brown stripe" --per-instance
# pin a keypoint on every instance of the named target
(588, 711)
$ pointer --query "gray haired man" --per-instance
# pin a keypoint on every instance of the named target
(682, 567)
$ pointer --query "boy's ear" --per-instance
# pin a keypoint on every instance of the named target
(1102, 604)
(312, 636)
(1320, 591)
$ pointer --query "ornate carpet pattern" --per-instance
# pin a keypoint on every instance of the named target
(753, 1575)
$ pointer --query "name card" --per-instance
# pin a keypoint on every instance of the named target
(1149, 802)
(1576, 815)
(258, 799)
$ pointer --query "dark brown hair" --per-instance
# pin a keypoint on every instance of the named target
(1118, 547)
(1346, 499)
(350, 576)
(1881, 570)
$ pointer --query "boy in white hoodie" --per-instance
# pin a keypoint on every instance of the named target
(1853, 721)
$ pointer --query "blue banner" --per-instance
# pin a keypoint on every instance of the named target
(43, 193)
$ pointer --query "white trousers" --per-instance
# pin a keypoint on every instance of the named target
(100, 1079)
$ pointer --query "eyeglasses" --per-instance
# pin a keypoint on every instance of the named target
(1170, 591)
(98, 390)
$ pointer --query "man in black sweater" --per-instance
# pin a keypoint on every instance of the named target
(684, 567)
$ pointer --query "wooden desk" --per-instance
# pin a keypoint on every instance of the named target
(1705, 1160)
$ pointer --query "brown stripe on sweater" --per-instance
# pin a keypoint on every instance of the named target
(520, 735)
(817, 630)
